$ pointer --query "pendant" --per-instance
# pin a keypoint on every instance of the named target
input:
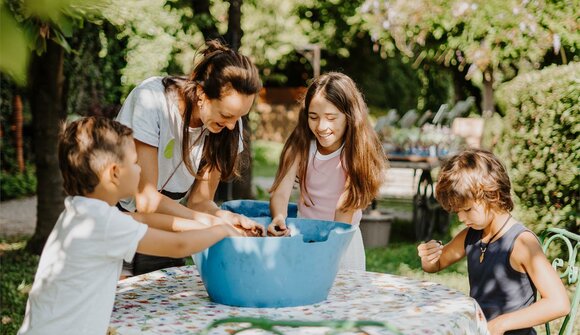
(481, 256)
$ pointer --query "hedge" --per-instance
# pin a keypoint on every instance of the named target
(540, 145)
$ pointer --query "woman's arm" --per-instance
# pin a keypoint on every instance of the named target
(436, 257)
(201, 199)
(149, 200)
(279, 201)
(527, 257)
(202, 193)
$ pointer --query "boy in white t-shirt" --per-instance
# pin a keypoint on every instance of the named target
(74, 287)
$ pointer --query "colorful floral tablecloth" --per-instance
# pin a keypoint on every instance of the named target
(174, 301)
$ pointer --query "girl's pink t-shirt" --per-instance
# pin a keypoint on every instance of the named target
(325, 180)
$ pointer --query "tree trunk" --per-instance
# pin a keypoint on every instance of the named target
(487, 105)
(18, 138)
(234, 34)
(462, 88)
(242, 188)
(48, 111)
(204, 20)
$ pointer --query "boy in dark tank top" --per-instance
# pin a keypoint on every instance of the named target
(505, 262)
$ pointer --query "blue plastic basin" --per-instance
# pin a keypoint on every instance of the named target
(275, 271)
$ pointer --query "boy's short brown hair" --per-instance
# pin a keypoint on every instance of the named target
(474, 175)
(85, 147)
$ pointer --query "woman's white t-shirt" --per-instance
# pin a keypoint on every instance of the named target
(154, 117)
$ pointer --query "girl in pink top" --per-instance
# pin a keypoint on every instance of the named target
(336, 157)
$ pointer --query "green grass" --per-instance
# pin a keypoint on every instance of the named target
(265, 157)
(400, 258)
(18, 268)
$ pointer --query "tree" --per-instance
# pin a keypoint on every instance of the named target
(46, 28)
(242, 187)
(493, 40)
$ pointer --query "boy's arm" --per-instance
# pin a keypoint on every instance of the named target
(279, 201)
(167, 222)
(170, 244)
(436, 257)
(527, 256)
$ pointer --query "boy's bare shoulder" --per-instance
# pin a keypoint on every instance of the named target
(526, 246)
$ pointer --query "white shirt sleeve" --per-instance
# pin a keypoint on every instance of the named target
(141, 111)
(122, 235)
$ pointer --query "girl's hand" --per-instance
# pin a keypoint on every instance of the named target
(278, 227)
(430, 252)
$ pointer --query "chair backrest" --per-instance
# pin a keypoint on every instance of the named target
(567, 268)
(408, 119)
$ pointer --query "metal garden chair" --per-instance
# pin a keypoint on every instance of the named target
(567, 268)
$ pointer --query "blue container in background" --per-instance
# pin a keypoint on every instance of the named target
(275, 271)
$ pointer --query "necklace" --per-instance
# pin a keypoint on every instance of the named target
(483, 246)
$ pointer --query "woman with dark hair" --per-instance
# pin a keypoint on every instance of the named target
(188, 134)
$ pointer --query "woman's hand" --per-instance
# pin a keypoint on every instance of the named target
(278, 227)
(250, 227)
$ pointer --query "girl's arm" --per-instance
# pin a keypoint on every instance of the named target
(171, 244)
(343, 215)
(279, 199)
(527, 257)
(149, 200)
(167, 222)
(436, 257)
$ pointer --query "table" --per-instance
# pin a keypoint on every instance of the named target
(427, 213)
(174, 301)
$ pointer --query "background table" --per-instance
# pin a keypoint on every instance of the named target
(427, 213)
(174, 301)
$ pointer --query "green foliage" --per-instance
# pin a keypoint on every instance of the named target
(157, 40)
(27, 25)
(18, 268)
(17, 185)
(540, 145)
(266, 152)
(14, 55)
(265, 158)
(505, 36)
(99, 53)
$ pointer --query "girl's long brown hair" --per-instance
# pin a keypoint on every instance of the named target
(221, 69)
(362, 156)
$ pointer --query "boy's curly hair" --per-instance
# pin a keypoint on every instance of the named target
(474, 175)
(85, 147)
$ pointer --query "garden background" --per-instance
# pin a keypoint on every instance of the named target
(518, 58)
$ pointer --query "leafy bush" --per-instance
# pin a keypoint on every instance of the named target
(17, 185)
(540, 146)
